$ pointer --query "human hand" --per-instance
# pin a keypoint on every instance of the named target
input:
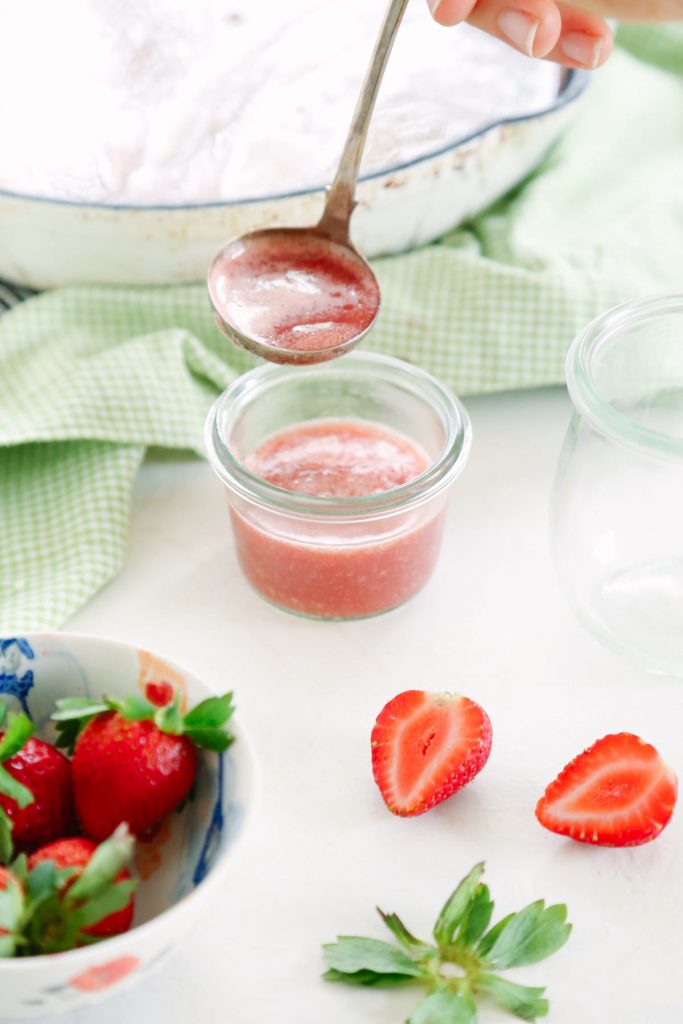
(576, 36)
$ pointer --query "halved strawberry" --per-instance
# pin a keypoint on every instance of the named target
(619, 792)
(426, 746)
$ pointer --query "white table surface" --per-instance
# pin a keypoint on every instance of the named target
(323, 850)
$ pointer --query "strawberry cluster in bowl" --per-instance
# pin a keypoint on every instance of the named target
(122, 836)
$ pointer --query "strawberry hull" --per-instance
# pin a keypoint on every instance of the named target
(76, 853)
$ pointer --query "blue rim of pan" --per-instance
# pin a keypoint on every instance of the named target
(572, 84)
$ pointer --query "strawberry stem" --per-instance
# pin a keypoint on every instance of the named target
(205, 725)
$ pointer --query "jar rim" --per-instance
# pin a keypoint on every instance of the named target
(603, 416)
(255, 383)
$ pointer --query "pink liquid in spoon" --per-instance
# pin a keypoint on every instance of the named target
(294, 292)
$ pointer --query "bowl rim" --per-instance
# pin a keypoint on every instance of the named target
(214, 877)
(573, 82)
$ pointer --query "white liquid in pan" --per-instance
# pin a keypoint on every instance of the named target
(165, 101)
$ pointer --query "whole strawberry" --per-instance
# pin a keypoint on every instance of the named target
(77, 853)
(133, 760)
(78, 892)
(36, 800)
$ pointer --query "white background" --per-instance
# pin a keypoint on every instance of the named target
(323, 850)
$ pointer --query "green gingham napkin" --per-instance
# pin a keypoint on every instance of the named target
(91, 377)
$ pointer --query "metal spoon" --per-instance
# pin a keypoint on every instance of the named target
(265, 285)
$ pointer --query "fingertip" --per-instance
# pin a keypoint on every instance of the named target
(586, 40)
(450, 12)
(549, 29)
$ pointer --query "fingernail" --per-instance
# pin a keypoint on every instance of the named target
(582, 48)
(520, 29)
(434, 6)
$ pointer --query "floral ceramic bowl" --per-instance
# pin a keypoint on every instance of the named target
(178, 869)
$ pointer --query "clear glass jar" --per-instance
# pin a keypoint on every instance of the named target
(617, 504)
(337, 558)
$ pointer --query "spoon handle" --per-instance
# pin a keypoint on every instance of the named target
(340, 201)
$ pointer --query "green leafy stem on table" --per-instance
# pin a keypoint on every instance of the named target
(463, 960)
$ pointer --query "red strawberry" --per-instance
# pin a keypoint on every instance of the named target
(134, 761)
(46, 773)
(426, 746)
(618, 792)
(36, 802)
(129, 771)
(76, 853)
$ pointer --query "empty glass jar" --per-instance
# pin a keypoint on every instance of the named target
(617, 503)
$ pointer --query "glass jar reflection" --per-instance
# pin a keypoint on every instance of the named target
(617, 503)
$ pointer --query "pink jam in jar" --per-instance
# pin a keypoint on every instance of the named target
(367, 572)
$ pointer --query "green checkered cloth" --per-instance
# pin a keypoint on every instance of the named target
(91, 377)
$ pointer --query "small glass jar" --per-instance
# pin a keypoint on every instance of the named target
(348, 557)
(617, 504)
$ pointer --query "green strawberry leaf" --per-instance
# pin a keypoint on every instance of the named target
(11, 906)
(463, 940)
(3, 712)
(169, 718)
(71, 717)
(19, 868)
(14, 790)
(107, 902)
(445, 1007)
(134, 707)
(42, 881)
(351, 953)
(210, 739)
(205, 724)
(456, 906)
(6, 844)
(529, 936)
(368, 978)
(19, 729)
(525, 1002)
(476, 918)
(212, 713)
(69, 708)
(400, 932)
(7, 946)
(490, 938)
(103, 868)
(67, 734)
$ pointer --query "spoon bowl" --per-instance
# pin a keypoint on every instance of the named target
(293, 295)
(304, 295)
